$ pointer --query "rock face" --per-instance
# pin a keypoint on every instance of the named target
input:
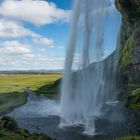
(130, 9)
(9, 130)
(130, 47)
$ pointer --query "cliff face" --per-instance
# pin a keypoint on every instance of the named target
(130, 50)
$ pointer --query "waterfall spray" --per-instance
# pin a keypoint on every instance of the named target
(83, 92)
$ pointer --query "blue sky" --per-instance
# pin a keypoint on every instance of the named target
(34, 34)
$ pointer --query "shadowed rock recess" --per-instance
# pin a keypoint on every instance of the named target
(129, 64)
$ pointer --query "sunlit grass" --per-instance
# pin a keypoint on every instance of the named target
(16, 82)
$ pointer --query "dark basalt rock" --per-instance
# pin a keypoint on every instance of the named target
(130, 9)
(9, 123)
(129, 47)
(9, 129)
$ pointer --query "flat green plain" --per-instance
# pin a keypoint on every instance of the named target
(16, 82)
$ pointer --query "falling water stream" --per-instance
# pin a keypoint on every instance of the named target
(85, 92)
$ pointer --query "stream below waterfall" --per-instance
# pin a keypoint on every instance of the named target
(42, 115)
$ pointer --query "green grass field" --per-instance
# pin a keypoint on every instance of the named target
(16, 82)
(12, 88)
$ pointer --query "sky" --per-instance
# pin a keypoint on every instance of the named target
(34, 33)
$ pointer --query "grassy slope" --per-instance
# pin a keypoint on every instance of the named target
(9, 101)
(11, 88)
(50, 88)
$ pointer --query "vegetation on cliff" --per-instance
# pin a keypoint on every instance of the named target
(133, 99)
(130, 52)
(128, 138)
(126, 55)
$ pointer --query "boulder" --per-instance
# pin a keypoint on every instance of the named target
(9, 130)
(9, 123)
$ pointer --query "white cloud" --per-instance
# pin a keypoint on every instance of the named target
(19, 55)
(12, 29)
(38, 12)
(14, 48)
(44, 41)
(33, 62)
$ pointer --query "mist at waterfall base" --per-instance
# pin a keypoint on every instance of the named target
(42, 115)
(86, 90)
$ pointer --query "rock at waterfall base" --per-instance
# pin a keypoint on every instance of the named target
(9, 130)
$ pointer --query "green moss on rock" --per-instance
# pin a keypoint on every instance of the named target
(133, 86)
(133, 100)
(126, 53)
(128, 138)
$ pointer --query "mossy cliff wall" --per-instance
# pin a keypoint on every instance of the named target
(130, 51)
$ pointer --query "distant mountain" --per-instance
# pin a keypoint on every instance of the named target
(41, 71)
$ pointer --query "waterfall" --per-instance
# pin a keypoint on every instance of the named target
(85, 87)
